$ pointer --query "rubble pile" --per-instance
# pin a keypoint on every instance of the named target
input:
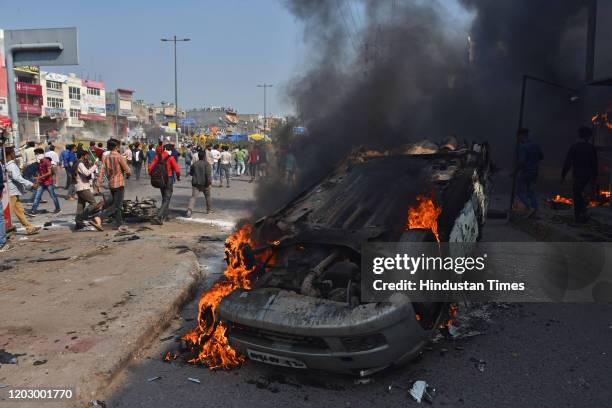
(139, 210)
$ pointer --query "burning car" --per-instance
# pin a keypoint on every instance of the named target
(291, 296)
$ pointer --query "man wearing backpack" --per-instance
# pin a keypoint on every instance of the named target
(161, 171)
(113, 168)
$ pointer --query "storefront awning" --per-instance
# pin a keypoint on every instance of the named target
(91, 116)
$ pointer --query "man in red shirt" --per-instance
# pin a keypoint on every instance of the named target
(172, 166)
(45, 182)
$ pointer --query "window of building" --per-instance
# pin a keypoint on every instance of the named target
(93, 91)
(57, 86)
(55, 102)
(74, 113)
(74, 93)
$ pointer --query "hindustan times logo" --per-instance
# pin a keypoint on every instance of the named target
(414, 264)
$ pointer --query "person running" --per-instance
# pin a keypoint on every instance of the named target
(171, 168)
(582, 160)
(84, 174)
(201, 180)
(17, 186)
(225, 165)
(114, 167)
(253, 161)
(45, 183)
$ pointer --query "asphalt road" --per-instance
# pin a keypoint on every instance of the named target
(545, 355)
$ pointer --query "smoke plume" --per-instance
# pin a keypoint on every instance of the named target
(387, 72)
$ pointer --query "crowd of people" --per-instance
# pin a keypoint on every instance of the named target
(99, 170)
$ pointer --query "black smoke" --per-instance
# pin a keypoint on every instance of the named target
(408, 73)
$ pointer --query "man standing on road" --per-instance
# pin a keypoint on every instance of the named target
(137, 160)
(225, 163)
(45, 182)
(150, 155)
(582, 159)
(253, 161)
(201, 173)
(171, 168)
(84, 175)
(216, 155)
(239, 157)
(17, 186)
(529, 157)
(68, 163)
(114, 167)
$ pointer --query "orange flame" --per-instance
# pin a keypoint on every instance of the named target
(424, 215)
(209, 336)
(560, 199)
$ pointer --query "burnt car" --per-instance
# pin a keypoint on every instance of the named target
(304, 309)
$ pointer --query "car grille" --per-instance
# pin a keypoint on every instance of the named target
(363, 343)
(239, 330)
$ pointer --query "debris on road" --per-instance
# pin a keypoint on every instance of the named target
(4, 385)
(363, 381)
(153, 379)
(62, 258)
(9, 358)
(126, 239)
(97, 403)
(39, 362)
(421, 390)
(479, 364)
(195, 380)
(209, 238)
(139, 211)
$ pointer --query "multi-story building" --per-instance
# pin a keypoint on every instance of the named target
(119, 112)
(29, 101)
(73, 106)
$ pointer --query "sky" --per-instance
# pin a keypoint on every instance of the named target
(235, 45)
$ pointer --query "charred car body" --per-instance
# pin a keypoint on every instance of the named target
(304, 308)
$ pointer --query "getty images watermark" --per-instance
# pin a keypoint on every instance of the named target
(519, 272)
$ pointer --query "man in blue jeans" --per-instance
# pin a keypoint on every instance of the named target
(45, 182)
(529, 157)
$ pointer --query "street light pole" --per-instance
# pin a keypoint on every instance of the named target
(520, 125)
(265, 87)
(176, 108)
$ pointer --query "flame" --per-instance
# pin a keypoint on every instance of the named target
(424, 215)
(209, 336)
(560, 199)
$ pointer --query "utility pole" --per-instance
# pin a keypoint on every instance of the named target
(265, 88)
(176, 108)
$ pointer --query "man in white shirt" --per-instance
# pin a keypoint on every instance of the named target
(54, 157)
(216, 155)
(28, 156)
(225, 165)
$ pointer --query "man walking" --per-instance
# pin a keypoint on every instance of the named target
(55, 162)
(225, 163)
(253, 161)
(163, 176)
(582, 159)
(529, 157)
(114, 167)
(3, 245)
(29, 156)
(201, 180)
(17, 186)
(84, 175)
(45, 182)
(216, 155)
(68, 164)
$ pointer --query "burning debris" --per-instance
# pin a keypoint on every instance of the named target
(558, 202)
(424, 216)
(208, 340)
